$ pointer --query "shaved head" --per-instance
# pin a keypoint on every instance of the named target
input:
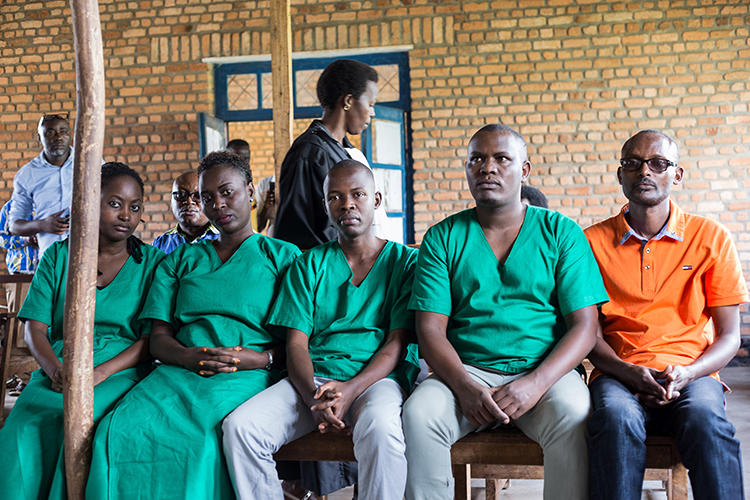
(674, 150)
(348, 166)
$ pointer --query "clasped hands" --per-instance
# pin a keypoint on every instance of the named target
(330, 403)
(208, 361)
(656, 388)
(484, 405)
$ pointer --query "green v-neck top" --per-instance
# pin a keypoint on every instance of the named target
(116, 325)
(347, 324)
(506, 317)
(213, 303)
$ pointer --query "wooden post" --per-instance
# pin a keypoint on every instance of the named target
(78, 387)
(281, 81)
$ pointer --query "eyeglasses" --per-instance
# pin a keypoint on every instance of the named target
(182, 196)
(656, 165)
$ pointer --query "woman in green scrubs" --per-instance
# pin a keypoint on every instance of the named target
(31, 442)
(207, 308)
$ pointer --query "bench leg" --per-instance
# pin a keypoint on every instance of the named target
(493, 487)
(678, 483)
(462, 481)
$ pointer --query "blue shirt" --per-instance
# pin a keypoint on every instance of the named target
(173, 238)
(21, 257)
(42, 189)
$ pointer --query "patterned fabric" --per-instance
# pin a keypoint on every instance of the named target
(21, 256)
(173, 238)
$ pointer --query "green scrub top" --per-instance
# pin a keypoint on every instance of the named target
(347, 324)
(163, 440)
(506, 317)
(117, 305)
(214, 303)
(31, 441)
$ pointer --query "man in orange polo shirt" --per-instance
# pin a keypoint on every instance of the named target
(667, 273)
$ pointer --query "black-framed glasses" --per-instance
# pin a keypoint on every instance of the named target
(656, 165)
(182, 196)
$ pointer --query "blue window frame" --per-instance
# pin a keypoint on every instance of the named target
(224, 72)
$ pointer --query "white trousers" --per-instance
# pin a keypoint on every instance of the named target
(433, 422)
(263, 424)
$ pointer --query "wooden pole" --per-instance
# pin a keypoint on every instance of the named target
(78, 369)
(281, 81)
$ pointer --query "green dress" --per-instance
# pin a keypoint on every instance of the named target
(31, 441)
(163, 440)
(347, 324)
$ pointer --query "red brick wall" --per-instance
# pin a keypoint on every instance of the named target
(576, 78)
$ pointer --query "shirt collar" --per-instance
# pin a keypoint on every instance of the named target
(673, 229)
(44, 163)
(319, 126)
(209, 230)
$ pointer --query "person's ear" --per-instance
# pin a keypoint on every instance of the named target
(347, 102)
(378, 199)
(525, 170)
(678, 173)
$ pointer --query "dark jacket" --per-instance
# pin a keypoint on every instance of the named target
(301, 218)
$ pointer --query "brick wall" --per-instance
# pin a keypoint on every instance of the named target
(576, 78)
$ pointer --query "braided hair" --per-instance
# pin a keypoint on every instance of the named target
(112, 170)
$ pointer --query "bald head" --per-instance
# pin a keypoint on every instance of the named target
(351, 198)
(651, 135)
(346, 167)
(500, 129)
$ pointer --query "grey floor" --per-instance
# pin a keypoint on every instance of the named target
(738, 409)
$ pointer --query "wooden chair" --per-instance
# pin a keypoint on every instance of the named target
(10, 328)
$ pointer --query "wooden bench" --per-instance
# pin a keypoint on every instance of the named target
(503, 452)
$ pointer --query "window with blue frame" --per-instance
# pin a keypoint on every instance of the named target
(243, 90)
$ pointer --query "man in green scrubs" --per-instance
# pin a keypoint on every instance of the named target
(343, 305)
(505, 296)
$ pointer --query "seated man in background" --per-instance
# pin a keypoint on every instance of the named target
(667, 273)
(192, 224)
(505, 297)
(343, 306)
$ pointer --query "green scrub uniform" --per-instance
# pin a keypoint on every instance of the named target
(31, 441)
(164, 439)
(347, 324)
(506, 317)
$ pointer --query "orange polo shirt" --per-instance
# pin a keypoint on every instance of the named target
(660, 290)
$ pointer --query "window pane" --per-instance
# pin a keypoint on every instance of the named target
(242, 92)
(388, 84)
(307, 80)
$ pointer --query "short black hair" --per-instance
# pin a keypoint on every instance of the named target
(536, 198)
(220, 158)
(112, 170)
(650, 131)
(237, 143)
(343, 77)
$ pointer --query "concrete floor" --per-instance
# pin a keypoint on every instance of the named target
(738, 409)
